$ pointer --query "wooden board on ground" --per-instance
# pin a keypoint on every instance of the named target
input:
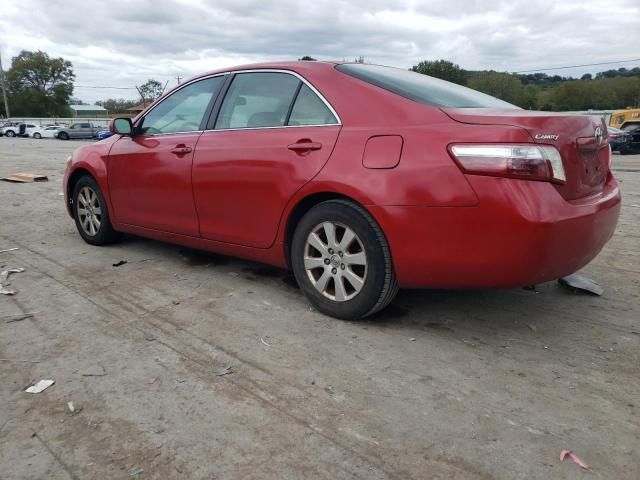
(22, 177)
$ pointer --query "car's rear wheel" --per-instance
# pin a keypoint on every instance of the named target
(10, 133)
(342, 262)
(91, 214)
(63, 136)
(37, 135)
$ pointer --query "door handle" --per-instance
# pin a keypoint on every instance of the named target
(304, 146)
(181, 149)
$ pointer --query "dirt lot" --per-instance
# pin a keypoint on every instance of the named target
(443, 384)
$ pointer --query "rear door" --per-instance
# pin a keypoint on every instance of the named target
(150, 173)
(272, 134)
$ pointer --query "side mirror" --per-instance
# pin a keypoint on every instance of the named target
(121, 126)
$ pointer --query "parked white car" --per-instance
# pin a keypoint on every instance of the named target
(17, 129)
(50, 131)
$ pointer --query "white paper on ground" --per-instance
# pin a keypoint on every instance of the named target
(40, 386)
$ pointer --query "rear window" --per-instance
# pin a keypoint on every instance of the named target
(422, 88)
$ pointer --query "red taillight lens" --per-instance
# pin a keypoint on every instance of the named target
(614, 135)
(532, 162)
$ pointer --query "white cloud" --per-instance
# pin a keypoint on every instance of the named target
(123, 43)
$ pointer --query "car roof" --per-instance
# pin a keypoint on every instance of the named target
(295, 66)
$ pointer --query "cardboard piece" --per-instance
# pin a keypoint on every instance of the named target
(24, 177)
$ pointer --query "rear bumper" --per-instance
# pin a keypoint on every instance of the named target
(521, 233)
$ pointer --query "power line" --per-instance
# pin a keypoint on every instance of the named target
(95, 86)
(576, 66)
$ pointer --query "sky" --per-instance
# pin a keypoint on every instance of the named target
(122, 43)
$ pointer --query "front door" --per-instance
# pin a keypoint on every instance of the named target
(272, 135)
(150, 173)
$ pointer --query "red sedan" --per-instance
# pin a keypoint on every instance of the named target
(360, 178)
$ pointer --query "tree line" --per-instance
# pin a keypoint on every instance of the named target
(608, 90)
(40, 86)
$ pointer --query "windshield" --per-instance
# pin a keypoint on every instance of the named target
(422, 88)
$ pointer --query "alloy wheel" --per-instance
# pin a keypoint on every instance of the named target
(335, 261)
(89, 211)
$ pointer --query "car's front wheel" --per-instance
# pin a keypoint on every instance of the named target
(63, 136)
(342, 261)
(91, 214)
(10, 133)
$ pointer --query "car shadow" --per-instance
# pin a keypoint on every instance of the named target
(475, 314)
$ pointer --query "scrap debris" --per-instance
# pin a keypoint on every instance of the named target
(9, 250)
(25, 177)
(4, 276)
(225, 371)
(120, 263)
(568, 453)
(577, 283)
(73, 410)
(264, 343)
(17, 318)
(135, 472)
(41, 386)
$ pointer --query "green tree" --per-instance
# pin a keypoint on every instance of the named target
(505, 86)
(117, 105)
(150, 90)
(39, 85)
(603, 93)
(307, 58)
(443, 69)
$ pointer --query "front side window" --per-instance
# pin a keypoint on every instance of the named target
(309, 109)
(183, 110)
(260, 99)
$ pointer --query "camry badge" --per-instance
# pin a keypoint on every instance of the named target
(598, 135)
(546, 136)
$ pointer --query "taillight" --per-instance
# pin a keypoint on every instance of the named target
(614, 135)
(531, 162)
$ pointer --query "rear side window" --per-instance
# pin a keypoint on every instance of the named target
(260, 99)
(422, 88)
(85, 125)
(310, 110)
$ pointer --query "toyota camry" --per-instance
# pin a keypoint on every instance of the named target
(360, 178)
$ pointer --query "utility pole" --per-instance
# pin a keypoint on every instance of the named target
(4, 89)
(178, 78)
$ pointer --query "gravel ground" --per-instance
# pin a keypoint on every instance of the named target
(443, 384)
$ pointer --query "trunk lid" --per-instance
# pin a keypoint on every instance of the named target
(585, 155)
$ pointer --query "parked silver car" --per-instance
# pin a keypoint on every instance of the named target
(78, 130)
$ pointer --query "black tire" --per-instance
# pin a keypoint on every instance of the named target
(10, 133)
(37, 136)
(63, 136)
(104, 234)
(380, 285)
